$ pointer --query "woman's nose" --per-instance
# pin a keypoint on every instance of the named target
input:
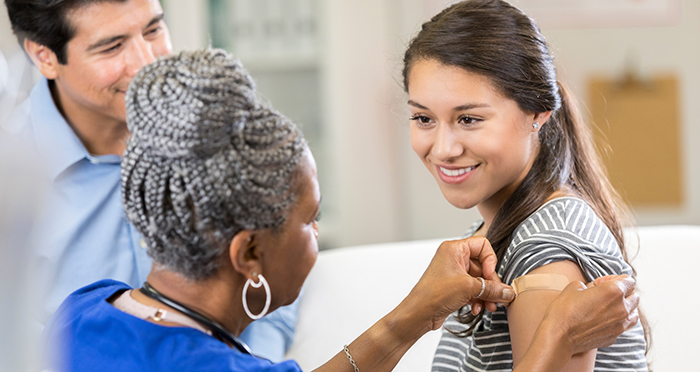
(447, 145)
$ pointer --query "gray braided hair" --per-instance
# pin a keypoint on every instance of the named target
(206, 159)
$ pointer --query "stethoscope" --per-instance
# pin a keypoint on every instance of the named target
(217, 330)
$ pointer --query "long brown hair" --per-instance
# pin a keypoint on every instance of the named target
(497, 40)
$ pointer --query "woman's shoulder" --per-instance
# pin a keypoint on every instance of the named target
(473, 228)
(565, 228)
(564, 216)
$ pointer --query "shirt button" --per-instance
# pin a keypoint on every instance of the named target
(143, 244)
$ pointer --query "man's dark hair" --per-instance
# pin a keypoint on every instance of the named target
(45, 22)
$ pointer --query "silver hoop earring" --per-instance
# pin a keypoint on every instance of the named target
(535, 126)
(268, 296)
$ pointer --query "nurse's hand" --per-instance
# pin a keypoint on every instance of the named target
(446, 285)
(596, 314)
(582, 318)
(450, 281)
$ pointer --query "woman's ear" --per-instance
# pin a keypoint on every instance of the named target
(540, 119)
(244, 254)
(43, 57)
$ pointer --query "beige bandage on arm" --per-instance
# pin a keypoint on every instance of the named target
(538, 282)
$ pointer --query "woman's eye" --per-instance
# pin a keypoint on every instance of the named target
(318, 217)
(421, 120)
(468, 120)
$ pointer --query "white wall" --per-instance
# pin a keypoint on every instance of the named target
(582, 53)
(8, 41)
(362, 137)
(188, 23)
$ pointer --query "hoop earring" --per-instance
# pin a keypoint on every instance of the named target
(268, 296)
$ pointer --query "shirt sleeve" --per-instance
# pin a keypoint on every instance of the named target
(559, 245)
(271, 336)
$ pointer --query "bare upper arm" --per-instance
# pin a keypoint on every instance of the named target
(528, 309)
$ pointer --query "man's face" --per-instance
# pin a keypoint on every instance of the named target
(112, 41)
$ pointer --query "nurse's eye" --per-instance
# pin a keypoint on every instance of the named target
(421, 120)
(467, 120)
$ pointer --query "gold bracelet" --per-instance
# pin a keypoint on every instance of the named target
(352, 361)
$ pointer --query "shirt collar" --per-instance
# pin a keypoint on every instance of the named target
(55, 138)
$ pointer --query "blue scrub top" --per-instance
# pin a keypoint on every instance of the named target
(87, 333)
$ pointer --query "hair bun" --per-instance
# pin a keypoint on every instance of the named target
(191, 102)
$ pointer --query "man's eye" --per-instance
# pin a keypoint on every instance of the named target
(112, 49)
(153, 31)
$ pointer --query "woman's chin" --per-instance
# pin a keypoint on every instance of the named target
(460, 203)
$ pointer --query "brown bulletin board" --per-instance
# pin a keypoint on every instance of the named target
(639, 137)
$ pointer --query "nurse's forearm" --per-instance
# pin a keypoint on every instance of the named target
(380, 347)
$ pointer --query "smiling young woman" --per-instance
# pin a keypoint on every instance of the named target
(497, 131)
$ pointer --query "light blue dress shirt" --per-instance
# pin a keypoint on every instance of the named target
(84, 236)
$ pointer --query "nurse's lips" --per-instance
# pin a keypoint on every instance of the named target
(453, 174)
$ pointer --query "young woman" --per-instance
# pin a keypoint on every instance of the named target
(497, 131)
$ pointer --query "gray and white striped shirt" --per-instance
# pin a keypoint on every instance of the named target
(562, 229)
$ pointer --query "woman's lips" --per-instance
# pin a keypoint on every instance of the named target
(455, 175)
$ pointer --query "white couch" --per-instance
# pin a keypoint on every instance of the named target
(351, 288)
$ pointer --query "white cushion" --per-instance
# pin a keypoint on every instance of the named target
(666, 264)
(349, 289)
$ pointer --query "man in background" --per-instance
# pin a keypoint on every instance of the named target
(88, 51)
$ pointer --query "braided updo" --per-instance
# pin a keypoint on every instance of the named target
(206, 159)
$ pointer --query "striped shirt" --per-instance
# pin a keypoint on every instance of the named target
(562, 229)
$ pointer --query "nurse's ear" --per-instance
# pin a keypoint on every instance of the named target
(44, 58)
(245, 253)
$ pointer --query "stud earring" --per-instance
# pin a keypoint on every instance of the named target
(535, 126)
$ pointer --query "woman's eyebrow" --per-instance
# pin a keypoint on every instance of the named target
(468, 106)
(416, 104)
(471, 106)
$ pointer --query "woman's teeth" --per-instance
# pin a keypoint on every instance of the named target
(455, 172)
